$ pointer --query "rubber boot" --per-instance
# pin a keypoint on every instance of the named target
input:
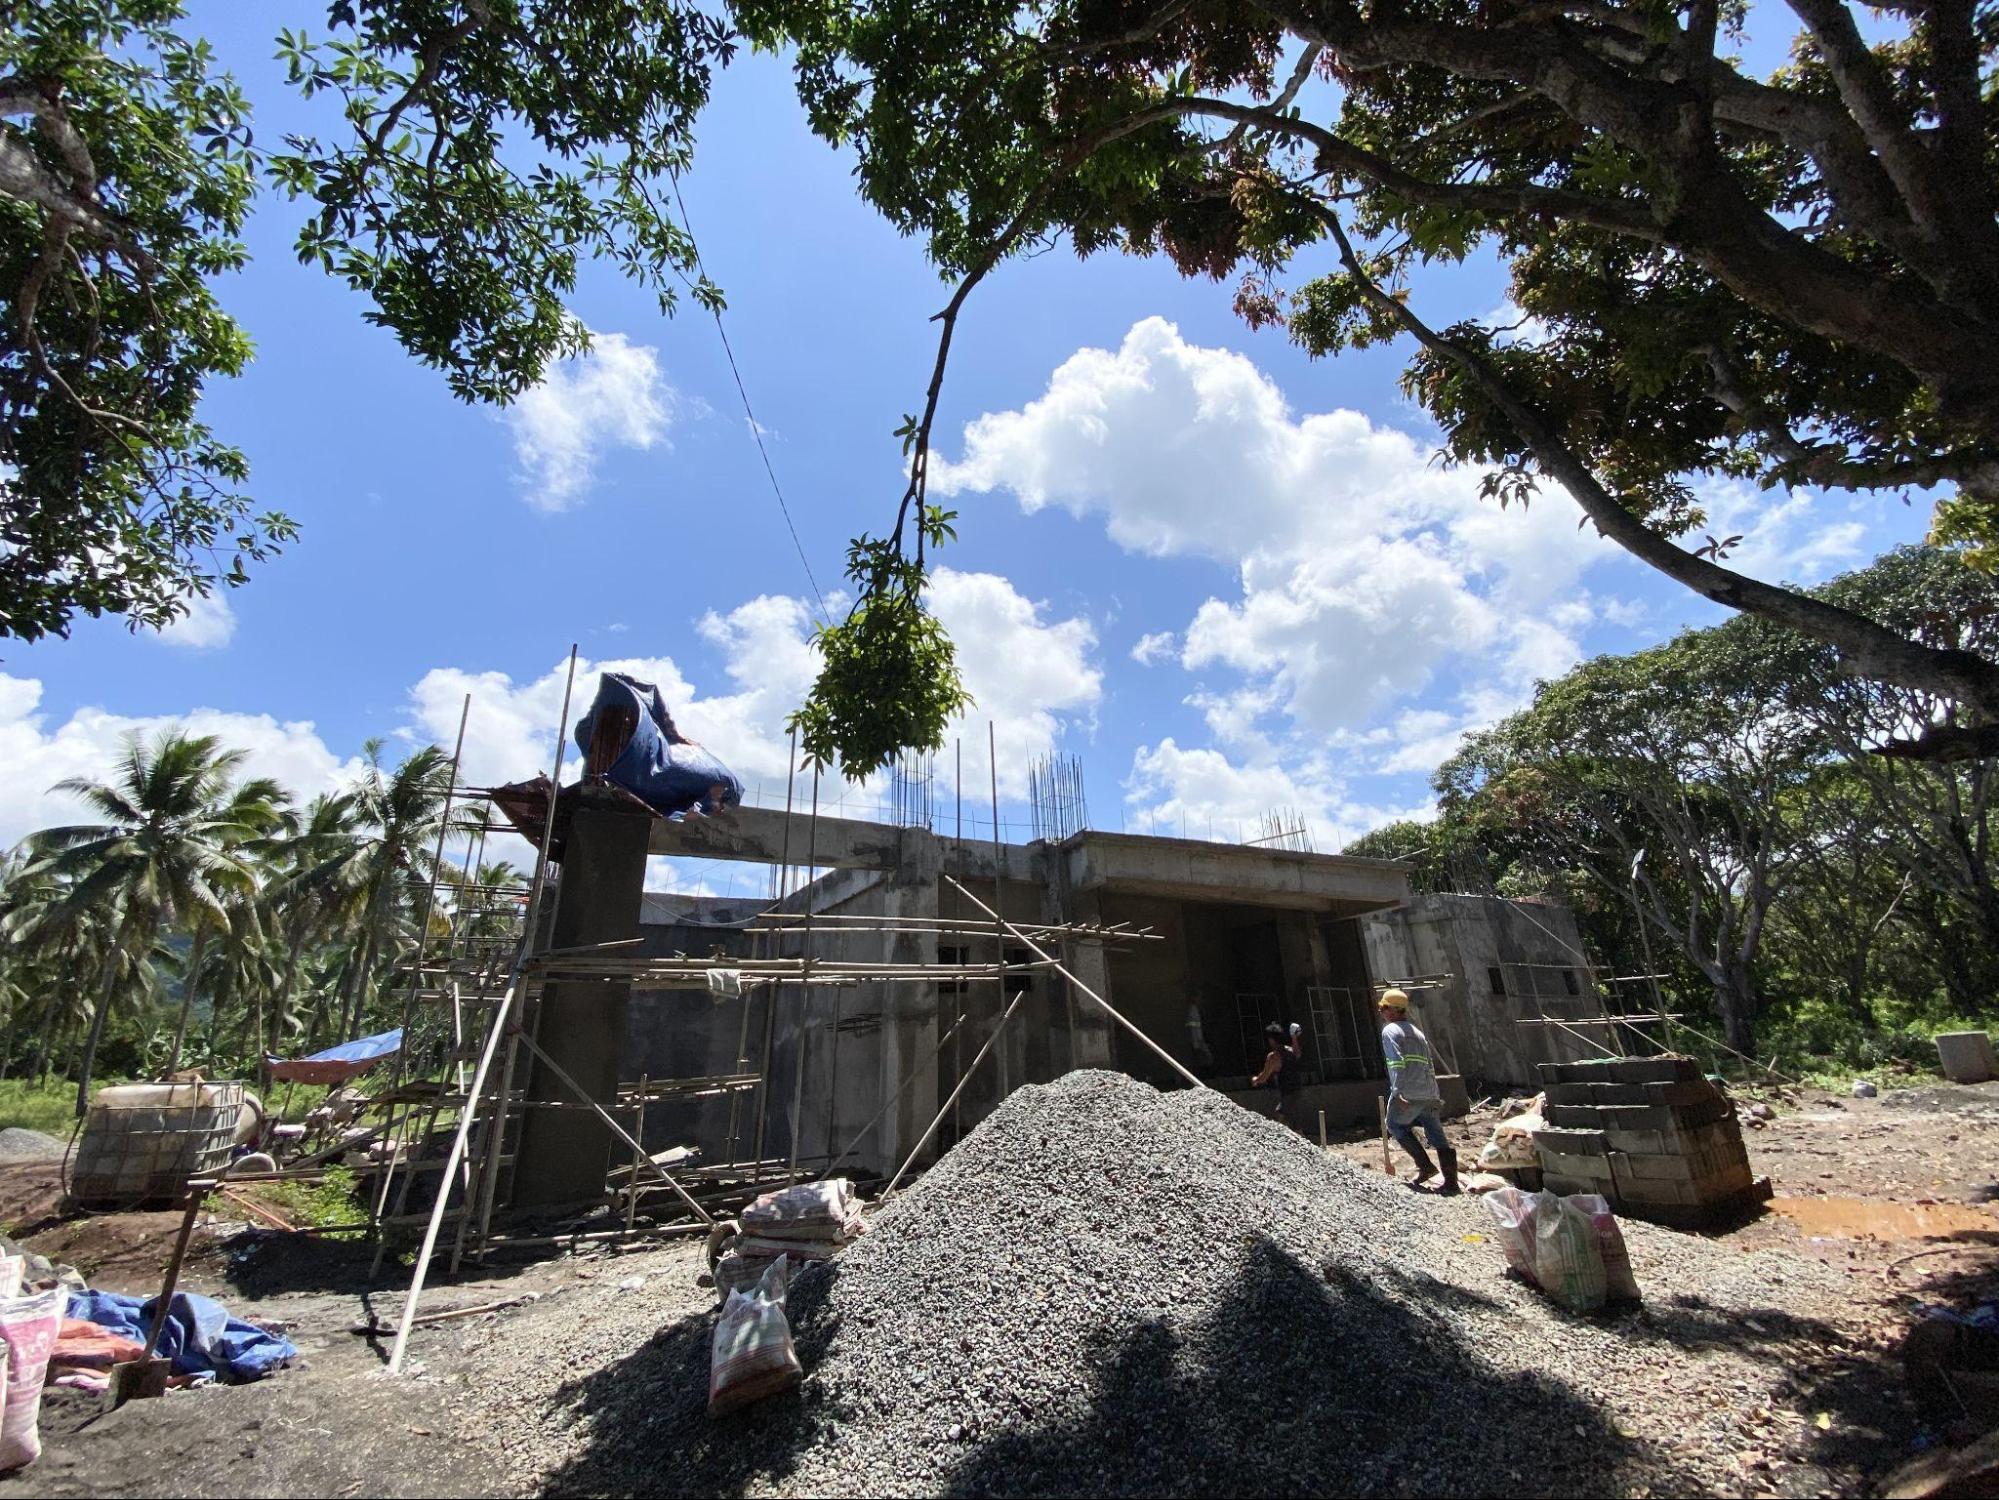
(1425, 1168)
(1450, 1160)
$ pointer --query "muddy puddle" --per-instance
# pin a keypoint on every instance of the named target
(1871, 1219)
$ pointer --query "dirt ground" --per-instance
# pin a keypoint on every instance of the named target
(1898, 1193)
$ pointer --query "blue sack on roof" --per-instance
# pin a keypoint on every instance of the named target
(629, 738)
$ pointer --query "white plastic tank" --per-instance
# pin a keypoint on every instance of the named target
(142, 1142)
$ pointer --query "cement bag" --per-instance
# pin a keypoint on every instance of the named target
(1618, 1283)
(1568, 1256)
(28, 1326)
(1511, 1148)
(736, 1272)
(809, 1210)
(1515, 1211)
(752, 1356)
(11, 1267)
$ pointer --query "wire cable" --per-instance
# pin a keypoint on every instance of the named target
(756, 429)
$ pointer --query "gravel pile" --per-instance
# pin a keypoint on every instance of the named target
(17, 1144)
(1109, 1290)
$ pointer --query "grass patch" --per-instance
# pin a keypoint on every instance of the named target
(51, 1109)
(333, 1201)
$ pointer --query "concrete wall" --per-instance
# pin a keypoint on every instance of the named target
(1455, 943)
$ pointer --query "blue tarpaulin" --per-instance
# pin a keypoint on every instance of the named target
(338, 1064)
(658, 765)
(199, 1336)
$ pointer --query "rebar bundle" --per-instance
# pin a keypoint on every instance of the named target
(1055, 794)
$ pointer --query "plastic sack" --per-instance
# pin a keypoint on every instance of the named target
(809, 1210)
(28, 1325)
(1568, 1255)
(752, 1355)
(11, 1267)
(1619, 1284)
(1514, 1211)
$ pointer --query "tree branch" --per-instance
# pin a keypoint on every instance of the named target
(1864, 646)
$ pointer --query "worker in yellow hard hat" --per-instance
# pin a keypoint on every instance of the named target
(1413, 1095)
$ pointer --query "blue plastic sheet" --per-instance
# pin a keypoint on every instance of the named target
(338, 1064)
(199, 1336)
(660, 766)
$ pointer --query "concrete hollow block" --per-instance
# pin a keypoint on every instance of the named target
(1967, 1056)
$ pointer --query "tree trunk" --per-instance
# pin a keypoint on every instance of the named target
(281, 1010)
(89, 1060)
(45, 1043)
(1735, 998)
(186, 999)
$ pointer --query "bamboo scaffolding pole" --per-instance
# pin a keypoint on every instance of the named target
(400, 1148)
(1110, 1010)
(770, 1000)
(638, 1153)
(924, 1139)
(958, 991)
(999, 891)
(458, 1138)
(494, 1143)
(562, 1076)
(805, 982)
(861, 1134)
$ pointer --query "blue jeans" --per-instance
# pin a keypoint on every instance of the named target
(1433, 1130)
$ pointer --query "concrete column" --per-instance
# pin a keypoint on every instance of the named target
(909, 1021)
(564, 1153)
(1091, 1044)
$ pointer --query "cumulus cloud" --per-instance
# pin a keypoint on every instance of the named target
(1155, 647)
(1033, 676)
(611, 397)
(88, 744)
(208, 624)
(1367, 576)
(1203, 793)
(1798, 537)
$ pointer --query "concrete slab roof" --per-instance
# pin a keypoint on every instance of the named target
(1181, 869)
(1193, 870)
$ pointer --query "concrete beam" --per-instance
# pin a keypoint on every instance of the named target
(1191, 870)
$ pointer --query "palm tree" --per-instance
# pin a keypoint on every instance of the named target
(314, 888)
(403, 808)
(255, 811)
(158, 858)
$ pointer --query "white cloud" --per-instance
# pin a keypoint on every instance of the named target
(1032, 676)
(613, 396)
(1202, 793)
(1789, 538)
(1366, 572)
(1155, 647)
(89, 742)
(208, 623)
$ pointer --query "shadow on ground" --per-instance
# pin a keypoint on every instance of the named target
(1324, 1380)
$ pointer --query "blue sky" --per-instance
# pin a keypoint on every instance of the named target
(1318, 609)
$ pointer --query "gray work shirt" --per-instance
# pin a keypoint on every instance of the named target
(1412, 1083)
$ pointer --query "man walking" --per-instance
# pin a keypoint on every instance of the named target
(1413, 1096)
(1281, 1068)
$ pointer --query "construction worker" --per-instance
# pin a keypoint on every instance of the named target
(1413, 1097)
(1280, 1067)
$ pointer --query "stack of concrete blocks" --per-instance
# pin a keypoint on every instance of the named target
(1648, 1133)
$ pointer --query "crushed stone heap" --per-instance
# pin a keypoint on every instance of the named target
(1105, 1289)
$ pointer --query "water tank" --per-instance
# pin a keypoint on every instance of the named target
(142, 1142)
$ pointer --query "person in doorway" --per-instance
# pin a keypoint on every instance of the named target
(1413, 1096)
(1280, 1068)
(1196, 1042)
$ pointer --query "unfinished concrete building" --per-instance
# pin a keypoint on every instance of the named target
(1198, 945)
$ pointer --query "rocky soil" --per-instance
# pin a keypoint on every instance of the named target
(1106, 1289)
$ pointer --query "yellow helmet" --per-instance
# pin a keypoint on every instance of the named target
(1393, 1000)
